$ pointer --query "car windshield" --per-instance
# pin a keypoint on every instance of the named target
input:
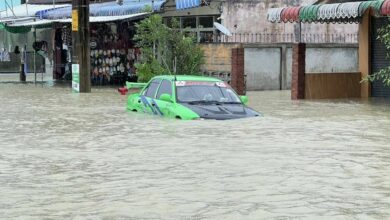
(189, 91)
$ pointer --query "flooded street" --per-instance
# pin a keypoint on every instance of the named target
(83, 156)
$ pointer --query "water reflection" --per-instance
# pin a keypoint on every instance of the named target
(82, 156)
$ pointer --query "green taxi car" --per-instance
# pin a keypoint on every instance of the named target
(188, 97)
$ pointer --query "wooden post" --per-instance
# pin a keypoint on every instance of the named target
(80, 42)
(364, 53)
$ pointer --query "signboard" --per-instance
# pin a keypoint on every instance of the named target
(75, 77)
(75, 20)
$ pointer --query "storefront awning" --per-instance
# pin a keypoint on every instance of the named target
(105, 9)
(186, 4)
(32, 23)
(100, 19)
(29, 11)
(339, 12)
(15, 30)
(45, 22)
(385, 10)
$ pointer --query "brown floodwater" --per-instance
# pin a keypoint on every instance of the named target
(83, 156)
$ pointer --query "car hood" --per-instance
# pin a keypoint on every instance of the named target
(222, 111)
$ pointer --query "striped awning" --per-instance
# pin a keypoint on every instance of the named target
(385, 9)
(339, 12)
(290, 14)
(105, 9)
(185, 4)
(97, 19)
(27, 10)
(23, 26)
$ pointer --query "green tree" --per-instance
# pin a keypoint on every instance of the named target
(384, 74)
(165, 50)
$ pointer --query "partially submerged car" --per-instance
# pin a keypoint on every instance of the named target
(189, 97)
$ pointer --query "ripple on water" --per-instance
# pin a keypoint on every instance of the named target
(82, 156)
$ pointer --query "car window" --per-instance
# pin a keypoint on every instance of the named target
(165, 87)
(198, 91)
(152, 88)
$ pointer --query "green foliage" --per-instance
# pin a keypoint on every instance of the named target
(146, 71)
(384, 74)
(165, 50)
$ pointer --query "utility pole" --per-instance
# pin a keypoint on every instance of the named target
(81, 63)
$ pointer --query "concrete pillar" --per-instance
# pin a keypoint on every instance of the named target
(237, 73)
(298, 71)
(364, 53)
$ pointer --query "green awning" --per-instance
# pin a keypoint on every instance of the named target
(17, 30)
(309, 13)
(14, 30)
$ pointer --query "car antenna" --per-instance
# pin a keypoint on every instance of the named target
(174, 68)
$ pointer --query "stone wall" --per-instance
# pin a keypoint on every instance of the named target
(218, 57)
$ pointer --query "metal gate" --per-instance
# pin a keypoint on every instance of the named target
(379, 58)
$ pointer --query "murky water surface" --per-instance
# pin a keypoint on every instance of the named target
(82, 156)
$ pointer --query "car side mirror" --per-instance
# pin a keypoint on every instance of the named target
(166, 97)
(244, 99)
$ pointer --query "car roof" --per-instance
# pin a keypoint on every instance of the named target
(188, 78)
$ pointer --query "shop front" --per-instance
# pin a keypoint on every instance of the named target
(112, 52)
(370, 15)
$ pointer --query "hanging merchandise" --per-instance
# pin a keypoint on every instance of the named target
(112, 57)
(4, 55)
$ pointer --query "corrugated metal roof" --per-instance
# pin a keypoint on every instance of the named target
(100, 19)
(22, 11)
(348, 10)
(104, 9)
(62, 1)
(273, 14)
(327, 11)
(186, 4)
(309, 13)
(385, 10)
(290, 14)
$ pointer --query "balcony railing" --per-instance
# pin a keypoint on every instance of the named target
(287, 38)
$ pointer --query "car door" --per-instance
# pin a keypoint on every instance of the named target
(164, 107)
(146, 98)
